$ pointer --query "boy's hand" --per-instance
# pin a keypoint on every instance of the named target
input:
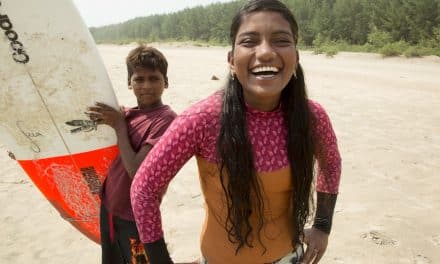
(105, 114)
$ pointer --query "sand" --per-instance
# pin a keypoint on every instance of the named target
(386, 114)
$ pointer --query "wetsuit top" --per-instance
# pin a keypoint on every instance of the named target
(195, 132)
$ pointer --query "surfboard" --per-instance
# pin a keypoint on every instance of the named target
(50, 71)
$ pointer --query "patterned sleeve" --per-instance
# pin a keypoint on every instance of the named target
(327, 153)
(171, 152)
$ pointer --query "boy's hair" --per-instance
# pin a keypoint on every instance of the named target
(146, 57)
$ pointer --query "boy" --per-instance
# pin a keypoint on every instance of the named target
(137, 130)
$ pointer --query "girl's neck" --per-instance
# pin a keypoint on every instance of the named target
(266, 104)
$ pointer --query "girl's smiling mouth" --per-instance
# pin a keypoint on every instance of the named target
(265, 72)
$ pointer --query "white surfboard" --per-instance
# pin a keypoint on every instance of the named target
(50, 71)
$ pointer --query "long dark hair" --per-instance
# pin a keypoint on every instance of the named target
(237, 171)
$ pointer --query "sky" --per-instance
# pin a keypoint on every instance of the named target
(103, 12)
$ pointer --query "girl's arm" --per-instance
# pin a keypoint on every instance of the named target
(326, 151)
(328, 177)
(172, 151)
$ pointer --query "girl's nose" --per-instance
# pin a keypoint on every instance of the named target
(265, 51)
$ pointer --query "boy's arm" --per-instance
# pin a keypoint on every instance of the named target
(107, 115)
(130, 158)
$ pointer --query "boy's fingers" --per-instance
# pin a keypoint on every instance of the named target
(94, 109)
(97, 117)
(105, 106)
(99, 121)
(99, 110)
(93, 114)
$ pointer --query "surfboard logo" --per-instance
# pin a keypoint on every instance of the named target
(30, 136)
(19, 55)
(82, 125)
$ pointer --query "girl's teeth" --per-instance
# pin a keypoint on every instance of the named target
(265, 69)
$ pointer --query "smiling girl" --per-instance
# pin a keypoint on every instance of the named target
(256, 142)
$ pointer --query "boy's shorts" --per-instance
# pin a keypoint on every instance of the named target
(120, 241)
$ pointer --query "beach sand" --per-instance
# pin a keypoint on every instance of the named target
(386, 114)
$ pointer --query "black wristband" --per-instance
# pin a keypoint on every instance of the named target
(157, 252)
(323, 224)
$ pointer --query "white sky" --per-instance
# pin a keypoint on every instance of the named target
(103, 12)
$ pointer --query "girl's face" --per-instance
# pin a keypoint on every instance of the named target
(264, 58)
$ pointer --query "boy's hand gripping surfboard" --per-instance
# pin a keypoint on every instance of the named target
(50, 71)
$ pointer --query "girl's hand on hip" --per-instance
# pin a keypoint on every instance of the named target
(316, 242)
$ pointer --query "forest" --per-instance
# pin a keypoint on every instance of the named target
(390, 27)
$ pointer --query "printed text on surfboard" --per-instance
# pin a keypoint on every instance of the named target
(19, 54)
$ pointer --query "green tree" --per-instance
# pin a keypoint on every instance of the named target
(350, 21)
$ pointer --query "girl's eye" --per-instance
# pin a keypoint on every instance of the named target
(248, 42)
(283, 42)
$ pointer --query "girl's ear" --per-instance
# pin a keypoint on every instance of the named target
(297, 63)
(231, 62)
(166, 82)
(297, 57)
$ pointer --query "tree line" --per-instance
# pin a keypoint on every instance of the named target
(354, 22)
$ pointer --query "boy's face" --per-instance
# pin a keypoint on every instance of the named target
(148, 86)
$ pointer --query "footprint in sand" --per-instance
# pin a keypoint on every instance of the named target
(420, 259)
(338, 261)
(379, 238)
(436, 240)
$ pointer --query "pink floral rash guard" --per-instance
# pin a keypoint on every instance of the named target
(195, 132)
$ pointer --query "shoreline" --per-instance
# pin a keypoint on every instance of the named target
(196, 44)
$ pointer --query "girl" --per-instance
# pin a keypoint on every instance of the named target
(255, 142)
